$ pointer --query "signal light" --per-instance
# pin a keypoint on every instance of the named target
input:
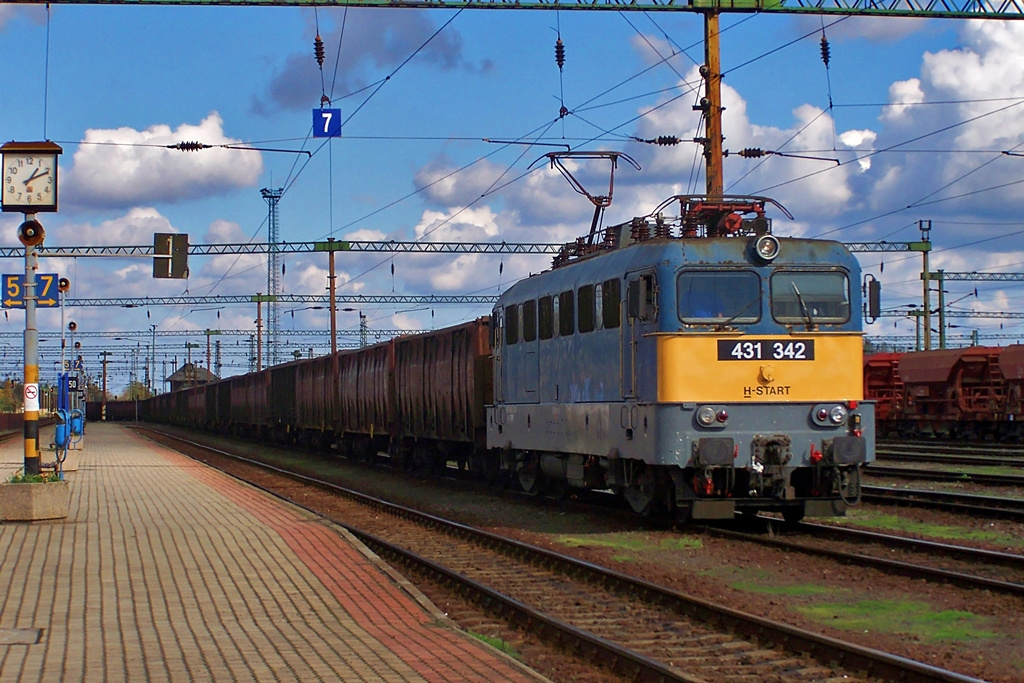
(63, 284)
(72, 326)
(31, 233)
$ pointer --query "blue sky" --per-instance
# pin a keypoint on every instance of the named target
(143, 76)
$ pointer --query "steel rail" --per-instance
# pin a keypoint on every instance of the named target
(891, 566)
(963, 552)
(882, 471)
(960, 503)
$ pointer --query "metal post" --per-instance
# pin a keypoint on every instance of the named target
(103, 394)
(152, 356)
(33, 463)
(925, 227)
(713, 106)
(942, 309)
(259, 332)
(331, 278)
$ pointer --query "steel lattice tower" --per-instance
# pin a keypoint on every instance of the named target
(273, 278)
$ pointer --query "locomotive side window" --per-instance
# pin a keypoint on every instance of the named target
(610, 300)
(566, 314)
(512, 324)
(546, 317)
(640, 298)
(598, 307)
(496, 327)
(707, 296)
(810, 296)
(529, 321)
(585, 299)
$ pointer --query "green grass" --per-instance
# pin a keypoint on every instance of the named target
(630, 542)
(901, 524)
(497, 644)
(797, 590)
(909, 617)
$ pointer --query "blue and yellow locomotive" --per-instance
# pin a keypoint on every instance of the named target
(698, 365)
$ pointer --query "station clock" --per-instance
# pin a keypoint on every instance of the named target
(30, 176)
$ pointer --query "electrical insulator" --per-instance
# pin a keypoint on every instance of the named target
(318, 50)
(559, 54)
(826, 53)
(751, 153)
(667, 140)
(189, 146)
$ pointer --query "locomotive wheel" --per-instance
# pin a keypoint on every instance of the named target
(644, 495)
(530, 477)
(793, 515)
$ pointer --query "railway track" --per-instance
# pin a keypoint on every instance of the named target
(909, 473)
(635, 628)
(849, 546)
(995, 455)
(960, 503)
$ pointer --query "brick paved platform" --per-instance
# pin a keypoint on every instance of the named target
(168, 570)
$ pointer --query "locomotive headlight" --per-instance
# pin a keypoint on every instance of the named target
(838, 415)
(706, 416)
(767, 247)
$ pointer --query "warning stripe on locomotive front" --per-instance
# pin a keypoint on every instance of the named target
(761, 369)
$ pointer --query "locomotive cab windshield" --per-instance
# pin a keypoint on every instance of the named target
(707, 296)
(810, 297)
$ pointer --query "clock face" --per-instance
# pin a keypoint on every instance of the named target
(30, 181)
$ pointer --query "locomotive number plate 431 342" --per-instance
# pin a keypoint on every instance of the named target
(765, 349)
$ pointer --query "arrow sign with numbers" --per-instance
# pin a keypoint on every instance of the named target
(47, 294)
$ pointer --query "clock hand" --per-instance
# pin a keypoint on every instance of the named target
(35, 174)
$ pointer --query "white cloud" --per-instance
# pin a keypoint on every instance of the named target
(902, 95)
(125, 167)
(972, 111)
(225, 232)
(874, 29)
(134, 228)
(34, 13)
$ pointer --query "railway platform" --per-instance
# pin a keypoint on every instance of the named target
(166, 569)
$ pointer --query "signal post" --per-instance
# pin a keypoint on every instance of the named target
(30, 186)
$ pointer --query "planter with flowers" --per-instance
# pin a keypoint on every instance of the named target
(30, 497)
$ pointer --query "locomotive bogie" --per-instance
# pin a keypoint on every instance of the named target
(793, 456)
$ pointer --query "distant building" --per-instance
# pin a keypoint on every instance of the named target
(190, 375)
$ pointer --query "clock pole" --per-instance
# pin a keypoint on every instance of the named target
(30, 186)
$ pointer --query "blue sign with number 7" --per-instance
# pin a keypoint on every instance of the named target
(327, 123)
